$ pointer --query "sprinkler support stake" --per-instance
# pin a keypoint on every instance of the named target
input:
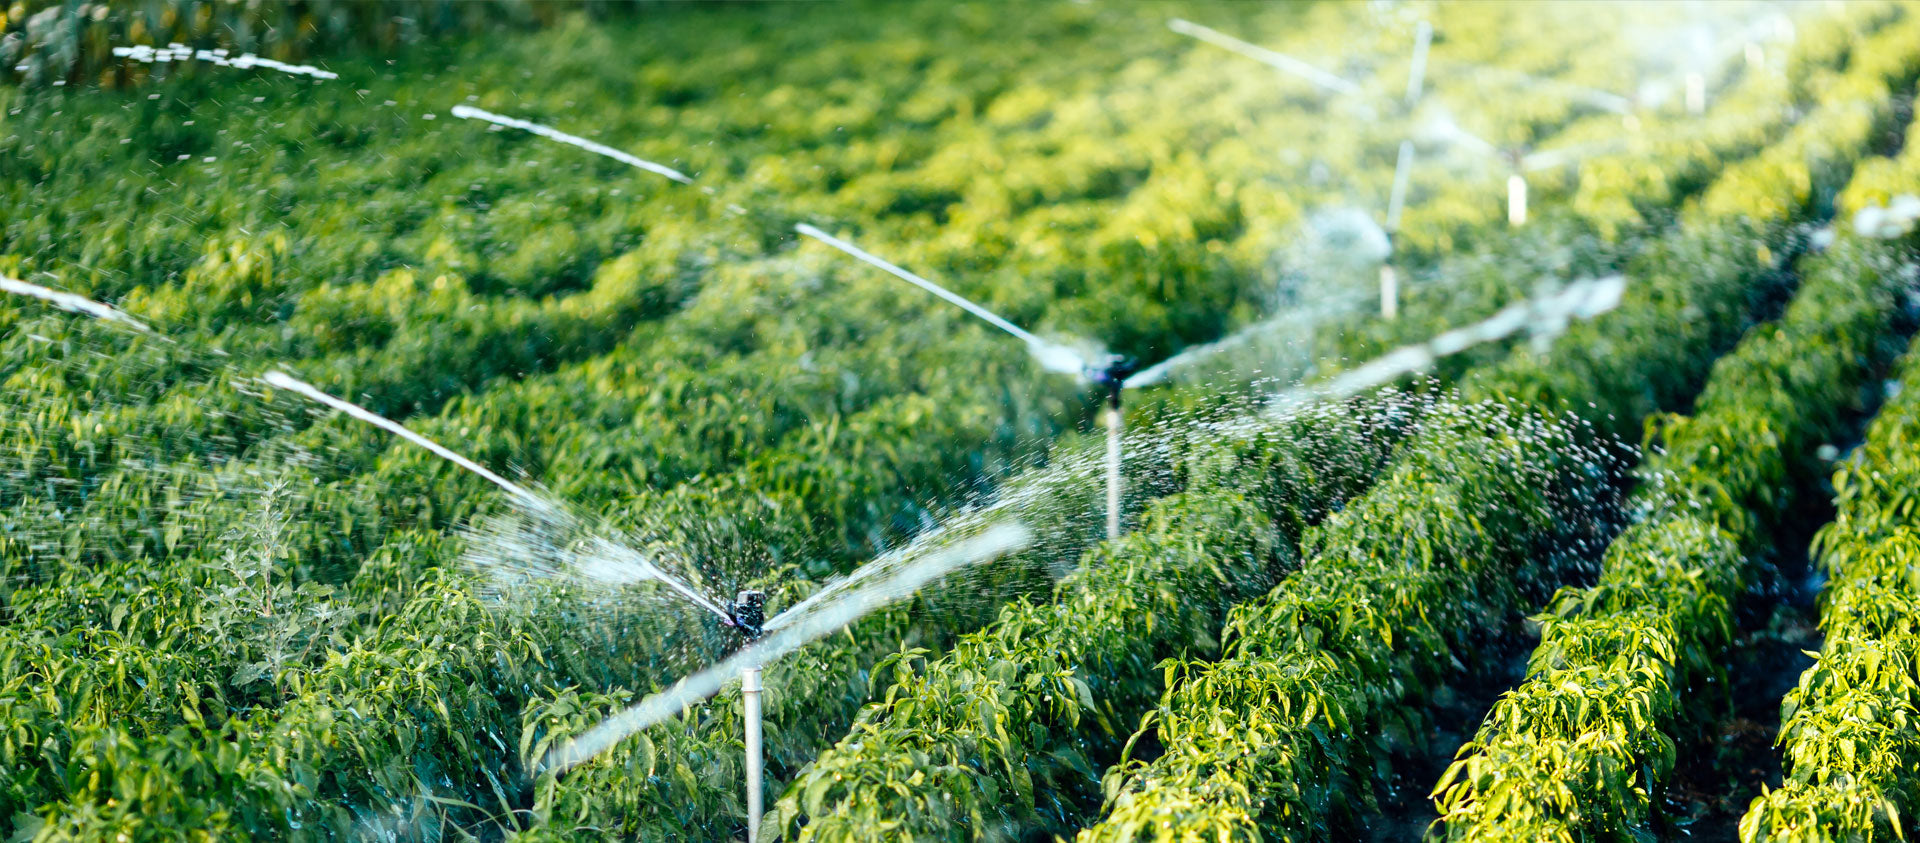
(747, 612)
(1516, 199)
(750, 698)
(1389, 293)
(1114, 423)
(1112, 374)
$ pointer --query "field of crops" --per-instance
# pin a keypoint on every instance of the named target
(1532, 457)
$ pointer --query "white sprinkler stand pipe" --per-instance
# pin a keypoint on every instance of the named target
(1113, 469)
(750, 695)
(1516, 199)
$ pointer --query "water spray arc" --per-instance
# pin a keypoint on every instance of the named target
(521, 495)
(467, 112)
(73, 303)
(1109, 373)
(177, 52)
(1277, 60)
(1545, 317)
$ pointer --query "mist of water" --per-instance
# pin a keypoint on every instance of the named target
(1004, 509)
(1437, 126)
(1334, 260)
(1559, 157)
(1293, 328)
(546, 546)
(1890, 221)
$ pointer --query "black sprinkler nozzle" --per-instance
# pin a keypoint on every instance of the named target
(748, 612)
(1111, 374)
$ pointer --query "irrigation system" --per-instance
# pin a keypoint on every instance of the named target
(1112, 374)
(898, 574)
(880, 582)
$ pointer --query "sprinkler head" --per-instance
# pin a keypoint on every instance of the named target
(748, 612)
(1111, 373)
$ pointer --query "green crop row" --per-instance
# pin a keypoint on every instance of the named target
(1268, 739)
(1850, 733)
(1007, 729)
(1851, 727)
(1629, 669)
(1326, 674)
(1278, 724)
(344, 649)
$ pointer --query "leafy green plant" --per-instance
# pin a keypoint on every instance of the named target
(1849, 732)
(1627, 670)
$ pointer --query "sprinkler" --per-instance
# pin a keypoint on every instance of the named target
(747, 612)
(1113, 373)
(890, 578)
